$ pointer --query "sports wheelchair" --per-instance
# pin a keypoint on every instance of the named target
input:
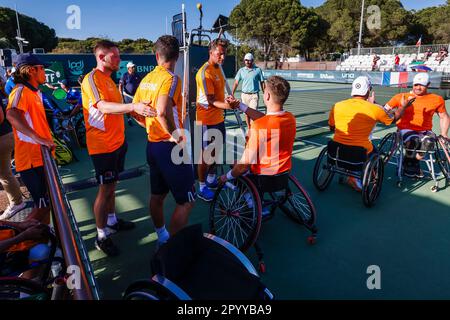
(350, 161)
(392, 147)
(197, 265)
(13, 264)
(236, 211)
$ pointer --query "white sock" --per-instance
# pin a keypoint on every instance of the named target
(163, 235)
(211, 178)
(112, 219)
(202, 185)
(102, 233)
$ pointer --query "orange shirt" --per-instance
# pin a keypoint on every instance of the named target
(419, 116)
(27, 152)
(158, 83)
(210, 81)
(354, 120)
(105, 133)
(270, 144)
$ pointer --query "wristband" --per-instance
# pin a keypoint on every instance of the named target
(243, 107)
(229, 175)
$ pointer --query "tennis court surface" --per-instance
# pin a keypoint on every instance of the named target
(405, 234)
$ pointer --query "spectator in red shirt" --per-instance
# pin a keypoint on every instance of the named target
(396, 62)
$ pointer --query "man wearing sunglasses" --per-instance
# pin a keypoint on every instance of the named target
(252, 78)
(417, 124)
(353, 120)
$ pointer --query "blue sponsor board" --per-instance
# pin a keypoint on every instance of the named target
(348, 76)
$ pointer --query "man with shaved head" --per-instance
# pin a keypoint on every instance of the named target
(105, 138)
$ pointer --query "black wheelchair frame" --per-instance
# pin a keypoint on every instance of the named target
(171, 270)
(236, 210)
(354, 162)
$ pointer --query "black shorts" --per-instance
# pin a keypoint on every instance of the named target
(166, 176)
(34, 180)
(109, 165)
(210, 134)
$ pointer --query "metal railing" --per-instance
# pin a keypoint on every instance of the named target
(68, 234)
(400, 50)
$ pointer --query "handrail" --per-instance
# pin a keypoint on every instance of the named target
(72, 245)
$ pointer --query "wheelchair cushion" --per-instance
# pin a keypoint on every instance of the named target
(347, 157)
(205, 270)
(273, 183)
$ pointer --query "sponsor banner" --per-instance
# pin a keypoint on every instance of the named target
(71, 66)
(377, 78)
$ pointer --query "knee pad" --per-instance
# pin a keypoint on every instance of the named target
(427, 143)
(412, 143)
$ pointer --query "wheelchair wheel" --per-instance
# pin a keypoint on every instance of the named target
(443, 156)
(298, 205)
(145, 290)
(235, 213)
(12, 288)
(387, 146)
(372, 180)
(322, 174)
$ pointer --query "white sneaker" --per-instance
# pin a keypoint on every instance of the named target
(11, 211)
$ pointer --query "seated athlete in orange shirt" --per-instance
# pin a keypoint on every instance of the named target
(276, 131)
(417, 123)
(353, 120)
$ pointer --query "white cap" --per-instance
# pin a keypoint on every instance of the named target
(361, 86)
(249, 56)
(422, 78)
(130, 65)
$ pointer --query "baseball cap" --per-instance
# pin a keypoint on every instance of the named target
(130, 65)
(421, 78)
(248, 56)
(361, 86)
(29, 59)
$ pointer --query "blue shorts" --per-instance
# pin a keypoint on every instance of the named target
(34, 180)
(166, 176)
(209, 137)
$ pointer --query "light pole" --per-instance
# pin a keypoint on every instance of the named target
(361, 28)
(199, 7)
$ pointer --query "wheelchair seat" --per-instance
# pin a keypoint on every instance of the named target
(207, 267)
(347, 157)
(270, 183)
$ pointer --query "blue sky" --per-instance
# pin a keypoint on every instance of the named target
(118, 19)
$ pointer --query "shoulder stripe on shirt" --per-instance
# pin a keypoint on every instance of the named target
(17, 96)
(205, 66)
(93, 86)
(173, 87)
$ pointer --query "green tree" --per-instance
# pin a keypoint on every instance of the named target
(434, 24)
(275, 26)
(36, 33)
(343, 16)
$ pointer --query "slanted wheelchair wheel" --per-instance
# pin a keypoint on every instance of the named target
(372, 180)
(298, 205)
(235, 213)
(443, 155)
(322, 174)
(387, 146)
(12, 288)
(146, 290)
